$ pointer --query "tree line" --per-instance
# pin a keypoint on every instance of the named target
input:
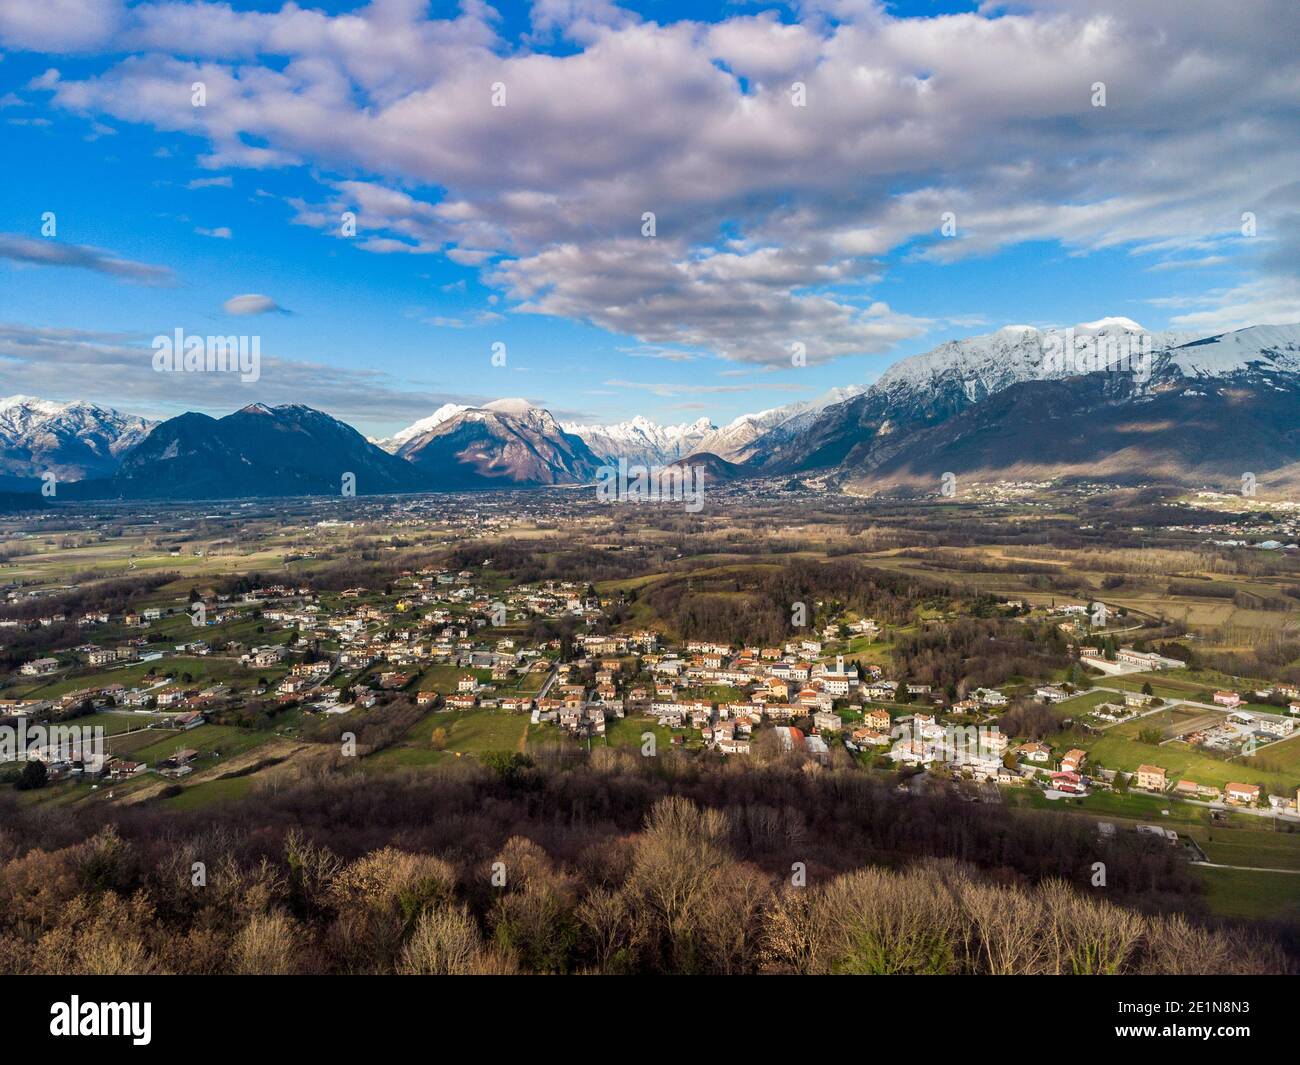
(560, 863)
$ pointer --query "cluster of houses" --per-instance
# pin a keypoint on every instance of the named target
(1071, 777)
(800, 690)
(772, 684)
(1154, 778)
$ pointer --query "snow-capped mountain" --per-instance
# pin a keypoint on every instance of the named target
(1021, 402)
(642, 440)
(394, 443)
(1257, 349)
(927, 389)
(742, 439)
(74, 441)
(980, 366)
(506, 442)
(1201, 413)
(916, 392)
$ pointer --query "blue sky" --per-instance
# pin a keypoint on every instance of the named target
(776, 224)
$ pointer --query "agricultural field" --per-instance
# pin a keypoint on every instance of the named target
(116, 722)
(1283, 757)
(203, 793)
(200, 669)
(1259, 847)
(1081, 706)
(465, 732)
(629, 732)
(213, 742)
(444, 679)
(1264, 896)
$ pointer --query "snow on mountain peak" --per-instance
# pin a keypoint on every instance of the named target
(514, 405)
(1126, 324)
(32, 404)
(978, 366)
(642, 440)
(447, 410)
(1268, 347)
(983, 365)
(74, 440)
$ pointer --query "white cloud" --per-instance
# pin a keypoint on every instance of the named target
(252, 304)
(767, 214)
(750, 308)
(1262, 302)
(58, 26)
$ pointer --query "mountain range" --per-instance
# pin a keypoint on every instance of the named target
(1203, 411)
(256, 451)
(1105, 399)
(643, 441)
(74, 441)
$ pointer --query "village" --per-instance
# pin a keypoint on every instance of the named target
(468, 642)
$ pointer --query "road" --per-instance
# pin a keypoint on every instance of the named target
(546, 686)
(1247, 868)
(1168, 702)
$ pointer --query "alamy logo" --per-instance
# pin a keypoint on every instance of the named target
(134, 1019)
(179, 353)
(949, 743)
(651, 484)
(1066, 352)
(52, 743)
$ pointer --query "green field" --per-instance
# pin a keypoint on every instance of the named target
(531, 683)
(443, 679)
(469, 732)
(206, 739)
(114, 724)
(481, 731)
(1105, 804)
(407, 757)
(125, 745)
(1280, 757)
(1260, 848)
(1081, 705)
(1233, 893)
(627, 732)
(203, 670)
(199, 795)
(1135, 804)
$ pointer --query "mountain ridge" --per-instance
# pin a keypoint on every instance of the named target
(74, 441)
(1001, 401)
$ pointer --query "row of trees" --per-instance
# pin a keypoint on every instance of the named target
(675, 897)
(112, 596)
